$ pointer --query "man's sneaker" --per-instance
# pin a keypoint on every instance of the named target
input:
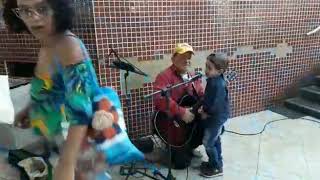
(210, 172)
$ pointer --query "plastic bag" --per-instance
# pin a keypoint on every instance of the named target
(16, 156)
(6, 106)
(35, 167)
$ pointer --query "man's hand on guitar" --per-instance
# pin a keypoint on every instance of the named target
(188, 116)
(203, 114)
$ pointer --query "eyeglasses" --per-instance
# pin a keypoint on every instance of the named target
(27, 13)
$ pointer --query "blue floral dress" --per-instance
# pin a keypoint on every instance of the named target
(65, 94)
(69, 94)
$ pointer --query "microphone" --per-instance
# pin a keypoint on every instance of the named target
(126, 66)
(196, 77)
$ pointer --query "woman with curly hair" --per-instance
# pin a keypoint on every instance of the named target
(65, 81)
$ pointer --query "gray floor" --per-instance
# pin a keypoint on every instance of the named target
(287, 150)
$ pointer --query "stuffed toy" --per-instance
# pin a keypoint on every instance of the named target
(108, 130)
(105, 119)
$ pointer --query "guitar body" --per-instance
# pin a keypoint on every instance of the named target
(175, 131)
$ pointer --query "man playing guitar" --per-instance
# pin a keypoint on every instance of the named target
(177, 73)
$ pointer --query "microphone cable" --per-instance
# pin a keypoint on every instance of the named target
(270, 122)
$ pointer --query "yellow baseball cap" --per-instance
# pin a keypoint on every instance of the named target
(182, 48)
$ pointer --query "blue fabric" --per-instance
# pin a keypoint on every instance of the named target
(212, 144)
(69, 93)
(119, 149)
(103, 176)
(64, 93)
(216, 105)
(216, 101)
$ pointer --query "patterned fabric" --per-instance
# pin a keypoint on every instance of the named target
(71, 94)
(118, 149)
(65, 95)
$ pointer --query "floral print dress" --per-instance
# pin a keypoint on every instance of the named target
(64, 95)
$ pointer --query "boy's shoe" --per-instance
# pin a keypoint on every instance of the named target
(204, 165)
(209, 172)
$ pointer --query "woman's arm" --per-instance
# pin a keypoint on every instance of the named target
(77, 106)
(65, 169)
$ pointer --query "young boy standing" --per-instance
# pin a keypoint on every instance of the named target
(214, 113)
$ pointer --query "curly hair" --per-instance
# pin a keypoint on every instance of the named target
(63, 15)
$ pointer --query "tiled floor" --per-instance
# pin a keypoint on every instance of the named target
(286, 150)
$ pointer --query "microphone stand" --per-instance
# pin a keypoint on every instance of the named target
(140, 72)
(128, 171)
(126, 74)
(132, 170)
(166, 93)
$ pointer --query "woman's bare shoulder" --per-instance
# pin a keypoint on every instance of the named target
(69, 51)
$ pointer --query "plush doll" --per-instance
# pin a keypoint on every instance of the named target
(109, 132)
(105, 121)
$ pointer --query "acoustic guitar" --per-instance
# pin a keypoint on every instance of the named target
(173, 130)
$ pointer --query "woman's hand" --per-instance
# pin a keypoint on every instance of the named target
(66, 167)
(22, 120)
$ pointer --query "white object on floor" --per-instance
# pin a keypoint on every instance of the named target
(6, 106)
(197, 153)
(20, 97)
(35, 167)
(12, 137)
